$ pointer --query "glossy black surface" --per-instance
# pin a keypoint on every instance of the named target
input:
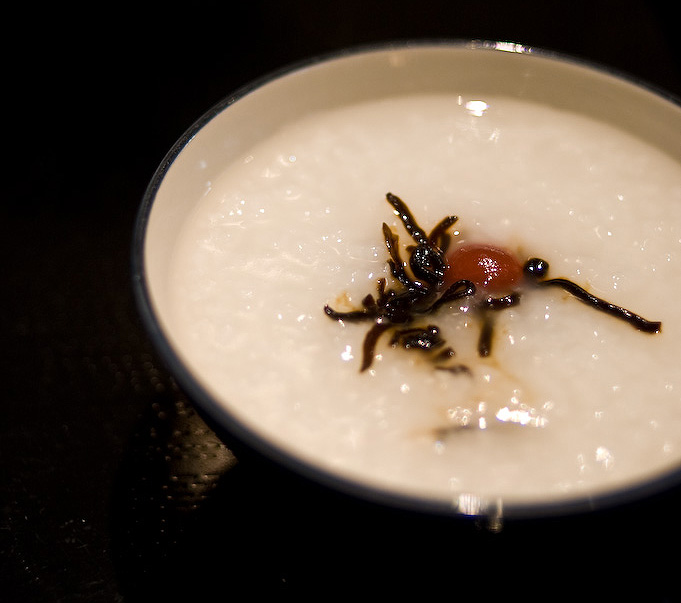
(112, 488)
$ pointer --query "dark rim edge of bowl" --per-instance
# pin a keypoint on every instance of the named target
(232, 430)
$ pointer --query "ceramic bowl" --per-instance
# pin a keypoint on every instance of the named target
(227, 133)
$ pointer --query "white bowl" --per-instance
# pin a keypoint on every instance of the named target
(477, 72)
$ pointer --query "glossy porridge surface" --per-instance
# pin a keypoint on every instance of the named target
(570, 400)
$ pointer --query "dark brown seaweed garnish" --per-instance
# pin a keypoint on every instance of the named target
(432, 277)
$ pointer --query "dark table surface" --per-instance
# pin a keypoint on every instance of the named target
(112, 487)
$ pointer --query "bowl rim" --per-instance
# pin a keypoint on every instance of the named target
(228, 427)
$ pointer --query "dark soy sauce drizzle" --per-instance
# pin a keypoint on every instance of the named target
(428, 285)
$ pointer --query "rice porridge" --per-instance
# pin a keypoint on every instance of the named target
(570, 400)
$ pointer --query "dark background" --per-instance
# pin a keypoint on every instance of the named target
(111, 487)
